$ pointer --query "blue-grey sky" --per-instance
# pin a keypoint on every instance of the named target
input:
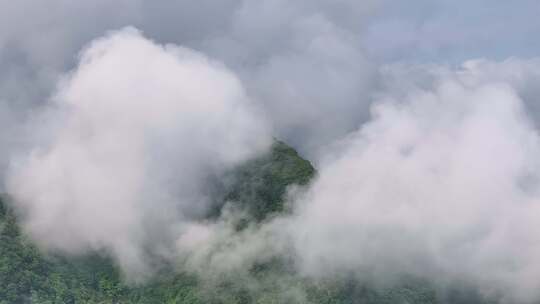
(454, 31)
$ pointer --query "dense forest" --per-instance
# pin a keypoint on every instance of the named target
(30, 276)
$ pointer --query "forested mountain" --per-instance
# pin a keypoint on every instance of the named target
(30, 276)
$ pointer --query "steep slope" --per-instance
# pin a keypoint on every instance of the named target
(27, 276)
(258, 187)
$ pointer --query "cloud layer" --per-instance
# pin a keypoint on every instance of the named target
(306, 62)
(133, 135)
(442, 182)
(425, 167)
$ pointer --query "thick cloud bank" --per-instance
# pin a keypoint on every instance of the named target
(442, 182)
(302, 60)
(131, 139)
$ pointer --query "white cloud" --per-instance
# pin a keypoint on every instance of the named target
(443, 183)
(133, 135)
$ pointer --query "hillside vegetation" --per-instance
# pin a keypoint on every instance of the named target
(259, 186)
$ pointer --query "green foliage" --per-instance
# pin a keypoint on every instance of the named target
(21, 266)
(259, 186)
(2, 209)
(27, 276)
